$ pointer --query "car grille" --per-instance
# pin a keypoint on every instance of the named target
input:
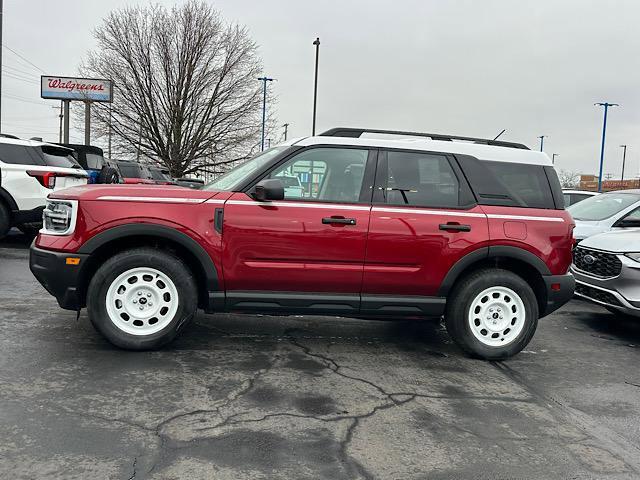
(598, 264)
(597, 294)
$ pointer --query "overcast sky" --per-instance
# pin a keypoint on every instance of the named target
(466, 67)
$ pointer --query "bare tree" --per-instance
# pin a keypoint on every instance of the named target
(186, 93)
(569, 179)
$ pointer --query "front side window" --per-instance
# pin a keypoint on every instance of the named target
(130, 170)
(323, 174)
(421, 179)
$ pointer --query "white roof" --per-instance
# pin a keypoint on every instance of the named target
(478, 150)
(585, 192)
(28, 143)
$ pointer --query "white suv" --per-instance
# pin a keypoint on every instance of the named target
(29, 171)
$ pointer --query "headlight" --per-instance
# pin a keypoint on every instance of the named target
(59, 217)
(633, 256)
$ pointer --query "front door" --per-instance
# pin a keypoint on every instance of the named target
(423, 220)
(306, 251)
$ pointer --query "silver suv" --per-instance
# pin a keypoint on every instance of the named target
(607, 270)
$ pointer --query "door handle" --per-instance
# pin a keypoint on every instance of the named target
(338, 220)
(455, 227)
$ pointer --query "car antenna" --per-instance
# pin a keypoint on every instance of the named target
(503, 130)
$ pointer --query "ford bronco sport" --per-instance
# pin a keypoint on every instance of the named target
(386, 225)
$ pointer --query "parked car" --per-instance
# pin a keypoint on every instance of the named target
(135, 172)
(92, 159)
(189, 182)
(395, 228)
(29, 171)
(571, 197)
(604, 212)
(161, 176)
(607, 271)
(292, 186)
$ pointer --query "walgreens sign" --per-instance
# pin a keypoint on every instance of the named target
(71, 88)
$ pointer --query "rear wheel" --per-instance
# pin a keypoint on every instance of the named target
(5, 221)
(141, 299)
(108, 175)
(492, 314)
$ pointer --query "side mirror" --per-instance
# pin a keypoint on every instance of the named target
(627, 223)
(269, 189)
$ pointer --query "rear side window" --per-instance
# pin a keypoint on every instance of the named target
(421, 179)
(58, 157)
(18, 154)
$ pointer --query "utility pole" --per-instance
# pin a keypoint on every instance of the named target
(264, 81)
(65, 129)
(87, 123)
(1, 22)
(286, 129)
(60, 116)
(553, 158)
(542, 137)
(110, 132)
(606, 106)
(624, 157)
(315, 86)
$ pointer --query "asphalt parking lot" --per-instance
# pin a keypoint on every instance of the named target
(261, 397)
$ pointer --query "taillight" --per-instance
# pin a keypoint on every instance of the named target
(46, 179)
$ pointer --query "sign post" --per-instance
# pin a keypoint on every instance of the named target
(67, 89)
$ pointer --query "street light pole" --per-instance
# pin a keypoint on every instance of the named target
(553, 158)
(606, 106)
(315, 86)
(264, 81)
(624, 157)
(286, 129)
(542, 137)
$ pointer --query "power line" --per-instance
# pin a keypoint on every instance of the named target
(23, 58)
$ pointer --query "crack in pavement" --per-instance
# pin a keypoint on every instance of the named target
(133, 475)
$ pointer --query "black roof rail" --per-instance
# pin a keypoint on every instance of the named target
(357, 132)
(6, 135)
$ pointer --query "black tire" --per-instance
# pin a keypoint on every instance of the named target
(108, 175)
(30, 229)
(5, 221)
(164, 262)
(460, 303)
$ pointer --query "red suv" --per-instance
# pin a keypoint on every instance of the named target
(381, 224)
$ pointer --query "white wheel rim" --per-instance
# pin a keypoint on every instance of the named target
(142, 301)
(497, 316)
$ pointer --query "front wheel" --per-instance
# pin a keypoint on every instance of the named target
(492, 314)
(140, 299)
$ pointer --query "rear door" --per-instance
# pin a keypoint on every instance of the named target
(307, 250)
(424, 218)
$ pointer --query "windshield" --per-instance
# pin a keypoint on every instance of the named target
(160, 175)
(233, 178)
(130, 170)
(602, 206)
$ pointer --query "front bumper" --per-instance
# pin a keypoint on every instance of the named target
(560, 289)
(58, 277)
(621, 292)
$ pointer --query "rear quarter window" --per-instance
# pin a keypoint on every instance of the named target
(19, 155)
(512, 184)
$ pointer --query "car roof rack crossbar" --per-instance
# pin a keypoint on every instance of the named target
(357, 133)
